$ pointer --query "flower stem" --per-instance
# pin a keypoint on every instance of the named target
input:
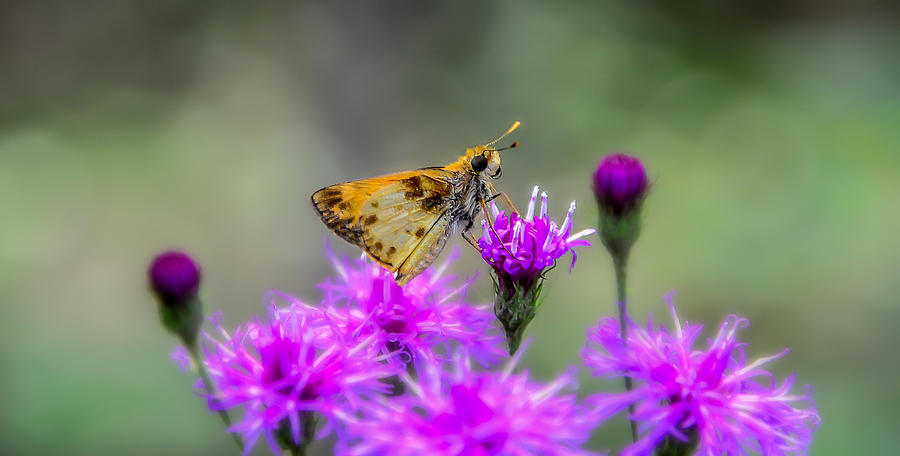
(211, 390)
(285, 437)
(671, 446)
(620, 264)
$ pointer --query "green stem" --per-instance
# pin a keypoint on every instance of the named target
(211, 390)
(620, 264)
(670, 446)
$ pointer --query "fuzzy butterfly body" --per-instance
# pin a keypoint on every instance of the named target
(403, 220)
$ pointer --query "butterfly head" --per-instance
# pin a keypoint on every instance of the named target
(485, 160)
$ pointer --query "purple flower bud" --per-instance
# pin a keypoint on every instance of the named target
(620, 183)
(174, 278)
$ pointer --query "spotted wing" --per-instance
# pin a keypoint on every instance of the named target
(400, 220)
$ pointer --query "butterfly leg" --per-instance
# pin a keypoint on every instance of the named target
(504, 198)
(470, 238)
(487, 215)
(508, 201)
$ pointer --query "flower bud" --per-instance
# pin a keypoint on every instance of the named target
(174, 279)
(620, 184)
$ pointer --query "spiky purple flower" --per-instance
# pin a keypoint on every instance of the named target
(519, 251)
(712, 398)
(287, 371)
(523, 247)
(454, 411)
(425, 318)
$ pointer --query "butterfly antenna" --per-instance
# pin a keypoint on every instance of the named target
(511, 146)
(511, 129)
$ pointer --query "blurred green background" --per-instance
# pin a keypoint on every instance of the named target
(771, 131)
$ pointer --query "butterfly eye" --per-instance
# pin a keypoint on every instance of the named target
(479, 163)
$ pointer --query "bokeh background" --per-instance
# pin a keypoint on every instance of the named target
(771, 130)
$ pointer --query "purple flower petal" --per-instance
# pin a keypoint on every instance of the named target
(523, 248)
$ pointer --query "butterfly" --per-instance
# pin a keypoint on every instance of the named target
(403, 220)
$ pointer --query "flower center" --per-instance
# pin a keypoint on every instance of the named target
(277, 355)
(396, 326)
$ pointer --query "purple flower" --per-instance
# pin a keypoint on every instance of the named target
(620, 183)
(523, 247)
(712, 398)
(519, 250)
(286, 368)
(174, 278)
(454, 411)
(424, 318)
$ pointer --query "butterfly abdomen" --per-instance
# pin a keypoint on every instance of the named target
(471, 192)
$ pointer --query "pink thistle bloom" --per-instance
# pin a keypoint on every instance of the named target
(424, 318)
(280, 372)
(521, 248)
(453, 411)
(710, 398)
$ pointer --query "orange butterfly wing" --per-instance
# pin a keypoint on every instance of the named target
(400, 219)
